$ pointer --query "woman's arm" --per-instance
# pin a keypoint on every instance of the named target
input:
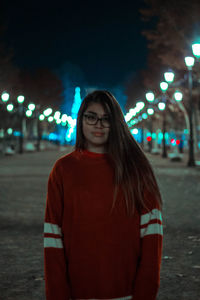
(151, 235)
(55, 262)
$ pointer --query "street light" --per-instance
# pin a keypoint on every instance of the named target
(144, 116)
(29, 113)
(50, 119)
(140, 105)
(41, 117)
(189, 61)
(150, 96)
(169, 76)
(5, 97)
(47, 112)
(10, 107)
(178, 96)
(31, 106)
(20, 100)
(196, 50)
(163, 86)
(150, 111)
(161, 105)
(57, 115)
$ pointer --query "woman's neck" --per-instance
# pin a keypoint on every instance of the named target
(97, 149)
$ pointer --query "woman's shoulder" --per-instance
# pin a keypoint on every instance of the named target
(66, 160)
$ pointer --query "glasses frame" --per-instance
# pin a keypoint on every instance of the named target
(98, 119)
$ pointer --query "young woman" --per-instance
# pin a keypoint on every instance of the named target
(103, 225)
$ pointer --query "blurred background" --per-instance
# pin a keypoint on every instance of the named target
(52, 54)
(146, 53)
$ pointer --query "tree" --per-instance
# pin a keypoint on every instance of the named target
(42, 87)
(176, 27)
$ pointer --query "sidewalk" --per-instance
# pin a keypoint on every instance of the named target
(166, 165)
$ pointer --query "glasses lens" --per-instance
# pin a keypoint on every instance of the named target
(90, 119)
(105, 122)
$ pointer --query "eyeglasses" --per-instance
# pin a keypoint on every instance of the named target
(93, 119)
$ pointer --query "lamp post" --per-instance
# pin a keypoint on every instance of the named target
(162, 106)
(189, 61)
(150, 97)
(139, 106)
(20, 100)
(150, 112)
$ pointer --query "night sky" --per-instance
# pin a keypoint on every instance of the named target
(100, 40)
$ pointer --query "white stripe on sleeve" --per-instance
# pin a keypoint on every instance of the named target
(151, 229)
(53, 243)
(152, 215)
(52, 228)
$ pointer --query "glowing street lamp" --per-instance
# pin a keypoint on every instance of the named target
(31, 106)
(140, 105)
(5, 97)
(20, 99)
(150, 96)
(41, 117)
(161, 105)
(144, 116)
(196, 50)
(10, 107)
(178, 96)
(169, 76)
(57, 115)
(48, 112)
(50, 119)
(150, 111)
(189, 61)
(9, 131)
(58, 121)
(29, 113)
(134, 131)
(163, 86)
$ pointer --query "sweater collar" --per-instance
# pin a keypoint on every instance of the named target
(87, 153)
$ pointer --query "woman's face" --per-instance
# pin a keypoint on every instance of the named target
(96, 135)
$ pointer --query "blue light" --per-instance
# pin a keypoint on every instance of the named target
(153, 135)
(17, 133)
(70, 135)
(77, 103)
(53, 136)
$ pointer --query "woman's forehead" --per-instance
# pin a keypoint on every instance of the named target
(97, 108)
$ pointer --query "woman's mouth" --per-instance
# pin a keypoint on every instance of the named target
(98, 134)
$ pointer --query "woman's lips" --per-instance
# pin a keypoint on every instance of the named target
(98, 133)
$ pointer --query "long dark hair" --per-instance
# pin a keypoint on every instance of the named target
(133, 171)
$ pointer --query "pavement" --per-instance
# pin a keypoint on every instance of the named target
(23, 180)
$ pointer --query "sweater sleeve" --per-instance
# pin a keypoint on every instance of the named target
(151, 236)
(55, 262)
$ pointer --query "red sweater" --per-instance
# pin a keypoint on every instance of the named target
(90, 253)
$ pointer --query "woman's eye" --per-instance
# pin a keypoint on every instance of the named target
(91, 118)
(106, 120)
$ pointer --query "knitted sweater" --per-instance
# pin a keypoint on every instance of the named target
(90, 253)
